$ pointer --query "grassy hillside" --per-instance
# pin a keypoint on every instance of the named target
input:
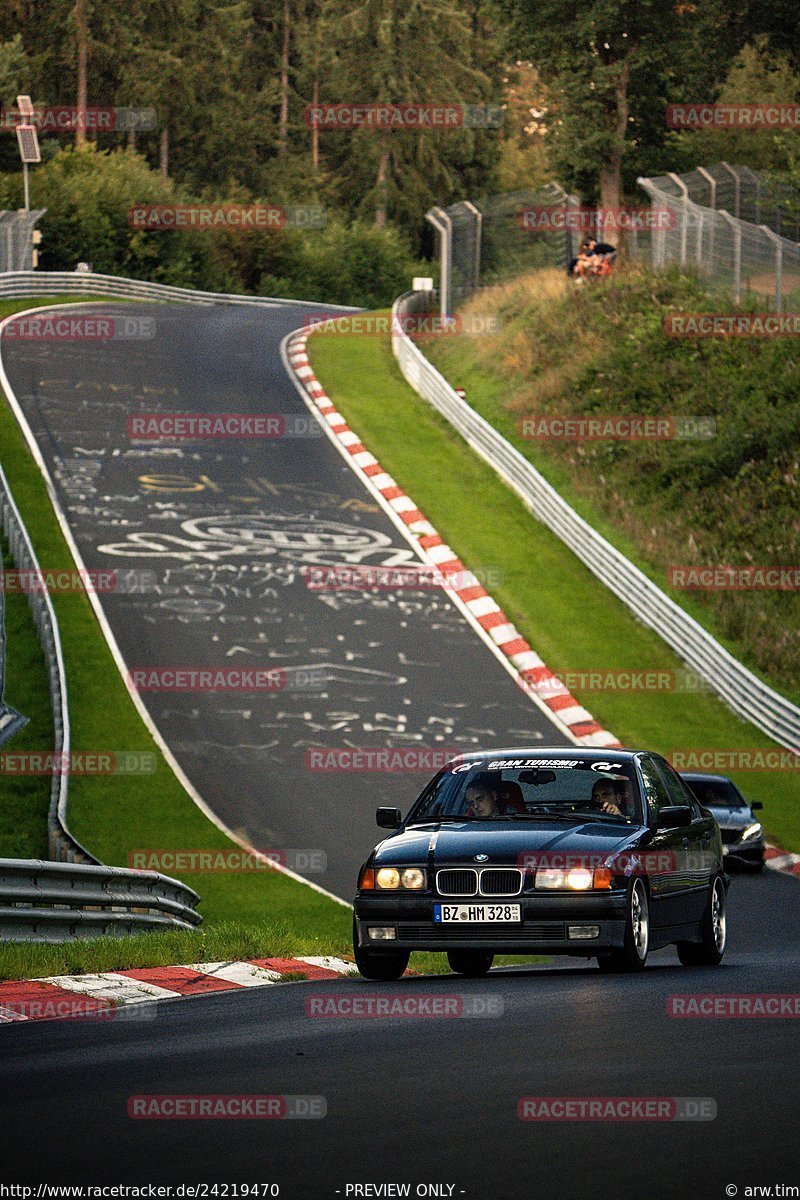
(570, 618)
(729, 499)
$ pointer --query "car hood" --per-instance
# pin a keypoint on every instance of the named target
(731, 818)
(504, 842)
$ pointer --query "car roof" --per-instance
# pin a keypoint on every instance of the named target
(581, 753)
(702, 777)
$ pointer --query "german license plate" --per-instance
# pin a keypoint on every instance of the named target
(475, 914)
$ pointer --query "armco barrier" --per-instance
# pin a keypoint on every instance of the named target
(84, 283)
(74, 896)
(747, 695)
(62, 846)
(56, 902)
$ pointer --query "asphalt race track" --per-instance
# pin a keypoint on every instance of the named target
(435, 1100)
(427, 1102)
(226, 528)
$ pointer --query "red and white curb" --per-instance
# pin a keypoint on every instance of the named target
(782, 860)
(62, 997)
(532, 675)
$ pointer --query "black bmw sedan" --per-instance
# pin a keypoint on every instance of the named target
(595, 853)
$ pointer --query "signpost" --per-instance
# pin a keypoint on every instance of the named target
(28, 142)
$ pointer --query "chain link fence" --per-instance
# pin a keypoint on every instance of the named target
(738, 228)
(16, 239)
(494, 238)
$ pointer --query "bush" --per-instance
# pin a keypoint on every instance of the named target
(88, 195)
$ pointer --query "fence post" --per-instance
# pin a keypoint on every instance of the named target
(476, 261)
(712, 183)
(684, 212)
(439, 219)
(570, 202)
(737, 253)
(778, 243)
(698, 245)
(737, 185)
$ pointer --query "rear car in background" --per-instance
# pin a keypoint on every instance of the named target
(742, 835)
(592, 853)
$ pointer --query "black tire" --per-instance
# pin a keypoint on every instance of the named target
(472, 963)
(709, 951)
(379, 964)
(633, 955)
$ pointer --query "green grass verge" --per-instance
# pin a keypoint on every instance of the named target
(25, 798)
(567, 615)
(113, 815)
(221, 942)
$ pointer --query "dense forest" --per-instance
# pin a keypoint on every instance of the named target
(229, 94)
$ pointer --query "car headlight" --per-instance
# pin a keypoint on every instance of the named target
(391, 879)
(751, 831)
(575, 879)
(579, 878)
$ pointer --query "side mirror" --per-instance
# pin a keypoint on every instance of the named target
(756, 805)
(388, 818)
(674, 816)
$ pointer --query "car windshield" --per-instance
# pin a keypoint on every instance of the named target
(719, 792)
(531, 789)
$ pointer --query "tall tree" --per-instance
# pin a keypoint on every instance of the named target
(424, 52)
(612, 65)
(81, 17)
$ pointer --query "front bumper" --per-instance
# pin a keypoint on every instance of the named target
(544, 928)
(745, 853)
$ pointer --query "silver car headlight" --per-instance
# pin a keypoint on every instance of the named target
(752, 831)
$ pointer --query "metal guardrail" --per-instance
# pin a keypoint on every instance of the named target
(56, 902)
(62, 846)
(86, 283)
(73, 896)
(747, 695)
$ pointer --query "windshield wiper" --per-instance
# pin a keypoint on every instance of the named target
(440, 817)
(542, 815)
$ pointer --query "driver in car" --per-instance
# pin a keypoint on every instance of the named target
(606, 795)
(481, 799)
